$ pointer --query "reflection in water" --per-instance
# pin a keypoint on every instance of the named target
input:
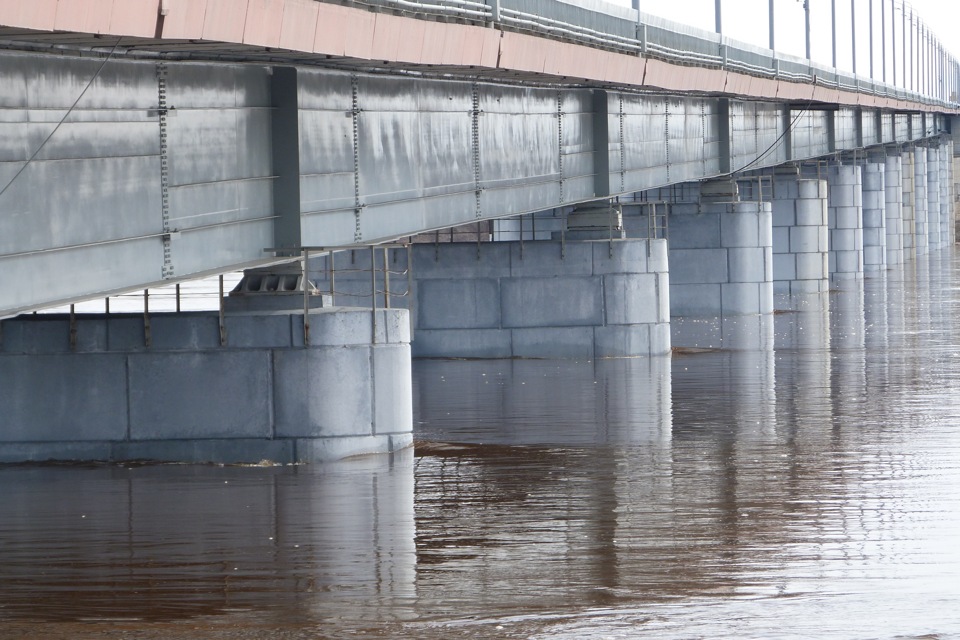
(801, 481)
(158, 544)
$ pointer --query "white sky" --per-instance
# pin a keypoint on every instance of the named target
(747, 20)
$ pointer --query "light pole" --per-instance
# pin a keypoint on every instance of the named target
(853, 33)
(772, 28)
(833, 29)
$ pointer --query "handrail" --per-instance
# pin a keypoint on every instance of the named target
(594, 24)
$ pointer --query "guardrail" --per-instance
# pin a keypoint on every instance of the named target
(612, 27)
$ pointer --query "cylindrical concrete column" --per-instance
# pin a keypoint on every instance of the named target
(893, 203)
(933, 198)
(874, 217)
(800, 238)
(946, 230)
(721, 259)
(921, 231)
(954, 176)
(845, 221)
(909, 208)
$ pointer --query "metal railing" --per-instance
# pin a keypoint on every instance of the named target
(330, 270)
(928, 73)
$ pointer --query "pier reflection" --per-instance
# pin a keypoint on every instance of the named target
(164, 543)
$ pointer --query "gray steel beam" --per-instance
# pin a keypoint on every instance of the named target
(285, 149)
(724, 125)
(258, 159)
(601, 149)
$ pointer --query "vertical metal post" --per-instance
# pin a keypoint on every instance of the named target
(893, 36)
(223, 328)
(563, 235)
(853, 33)
(147, 338)
(773, 28)
(521, 237)
(106, 305)
(332, 271)
(833, 30)
(386, 277)
(870, 19)
(718, 16)
(911, 51)
(924, 70)
(806, 12)
(883, 36)
(177, 288)
(73, 328)
(410, 302)
(306, 300)
(373, 292)
(610, 226)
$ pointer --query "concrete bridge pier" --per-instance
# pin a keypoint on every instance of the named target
(800, 234)
(540, 299)
(721, 270)
(893, 209)
(921, 228)
(845, 220)
(721, 257)
(874, 217)
(933, 198)
(908, 178)
(200, 387)
(946, 194)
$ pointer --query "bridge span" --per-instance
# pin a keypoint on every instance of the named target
(148, 142)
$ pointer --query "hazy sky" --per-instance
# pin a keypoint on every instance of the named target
(748, 20)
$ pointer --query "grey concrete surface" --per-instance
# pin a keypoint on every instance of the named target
(541, 299)
(186, 398)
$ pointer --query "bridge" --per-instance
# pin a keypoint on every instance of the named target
(660, 171)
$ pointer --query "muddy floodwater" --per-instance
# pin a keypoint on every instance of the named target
(795, 477)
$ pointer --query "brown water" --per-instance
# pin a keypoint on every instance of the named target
(809, 490)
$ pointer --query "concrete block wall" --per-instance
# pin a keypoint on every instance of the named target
(893, 208)
(721, 259)
(907, 175)
(874, 216)
(800, 239)
(585, 299)
(921, 232)
(186, 398)
(845, 220)
(933, 198)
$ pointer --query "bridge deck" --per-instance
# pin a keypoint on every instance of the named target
(158, 159)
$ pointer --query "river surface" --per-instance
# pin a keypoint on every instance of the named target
(797, 477)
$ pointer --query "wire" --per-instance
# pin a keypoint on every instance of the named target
(775, 143)
(63, 119)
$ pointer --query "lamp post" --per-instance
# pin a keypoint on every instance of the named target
(772, 28)
(833, 30)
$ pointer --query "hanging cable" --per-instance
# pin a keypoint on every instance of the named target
(776, 142)
(63, 119)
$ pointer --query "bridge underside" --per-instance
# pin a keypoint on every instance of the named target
(119, 174)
